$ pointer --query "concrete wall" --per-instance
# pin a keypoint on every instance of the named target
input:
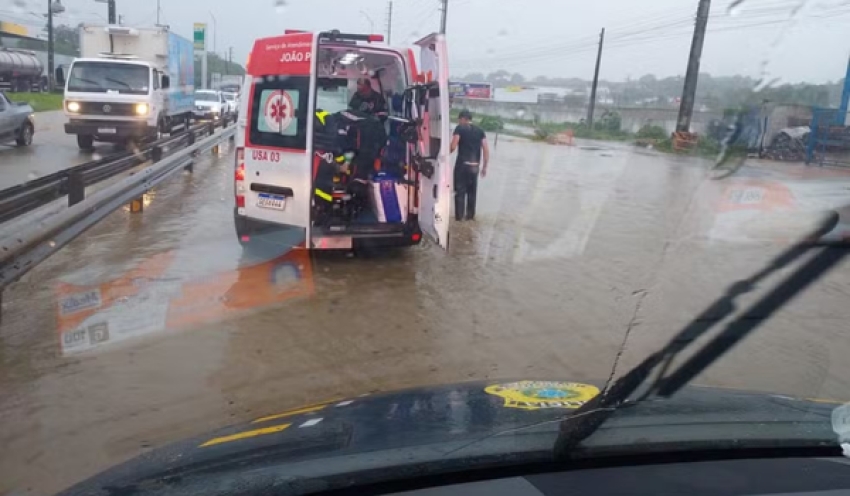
(632, 118)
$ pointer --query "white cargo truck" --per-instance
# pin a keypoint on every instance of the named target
(129, 84)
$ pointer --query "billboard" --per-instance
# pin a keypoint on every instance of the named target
(482, 91)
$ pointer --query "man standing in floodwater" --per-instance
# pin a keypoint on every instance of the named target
(469, 140)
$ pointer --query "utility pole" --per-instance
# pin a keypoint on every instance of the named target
(390, 23)
(592, 105)
(53, 7)
(51, 77)
(229, 59)
(686, 108)
(445, 14)
(158, 10)
(112, 13)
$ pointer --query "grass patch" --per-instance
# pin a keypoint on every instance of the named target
(40, 102)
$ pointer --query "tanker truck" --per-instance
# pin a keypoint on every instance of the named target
(21, 70)
(129, 84)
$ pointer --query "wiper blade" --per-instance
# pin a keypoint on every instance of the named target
(118, 81)
(587, 419)
(88, 81)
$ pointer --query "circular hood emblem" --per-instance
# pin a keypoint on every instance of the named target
(535, 395)
(107, 108)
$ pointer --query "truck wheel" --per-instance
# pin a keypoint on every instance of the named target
(85, 142)
(25, 136)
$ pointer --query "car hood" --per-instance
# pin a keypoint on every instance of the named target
(207, 104)
(450, 428)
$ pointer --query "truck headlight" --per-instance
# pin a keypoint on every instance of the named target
(73, 107)
(141, 109)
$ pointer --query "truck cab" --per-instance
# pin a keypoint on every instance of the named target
(130, 84)
(288, 175)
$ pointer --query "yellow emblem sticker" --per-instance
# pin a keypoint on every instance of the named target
(536, 395)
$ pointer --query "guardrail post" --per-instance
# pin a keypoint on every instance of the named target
(156, 154)
(76, 188)
(217, 148)
(190, 140)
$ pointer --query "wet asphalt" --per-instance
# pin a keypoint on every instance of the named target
(156, 326)
(52, 150)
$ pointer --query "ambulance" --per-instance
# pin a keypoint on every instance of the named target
(296, 76)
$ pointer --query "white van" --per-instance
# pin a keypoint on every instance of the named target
(292, 76)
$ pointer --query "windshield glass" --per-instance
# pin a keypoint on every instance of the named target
(205, 96)
(430, 235)
(100, 77)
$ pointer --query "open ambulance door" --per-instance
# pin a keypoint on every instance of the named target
(435, 193)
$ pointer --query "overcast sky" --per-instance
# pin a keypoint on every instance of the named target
(534, 37)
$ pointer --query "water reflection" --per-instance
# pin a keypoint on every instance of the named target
(147, 299)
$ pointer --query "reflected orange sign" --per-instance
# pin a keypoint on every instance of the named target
(147, 300)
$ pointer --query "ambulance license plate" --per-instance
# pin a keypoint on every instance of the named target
(274, 202)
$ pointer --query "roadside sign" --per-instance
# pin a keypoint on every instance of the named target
(200, 36)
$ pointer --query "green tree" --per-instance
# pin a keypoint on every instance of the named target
(216, 64)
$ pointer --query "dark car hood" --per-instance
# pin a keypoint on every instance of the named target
(449, 428)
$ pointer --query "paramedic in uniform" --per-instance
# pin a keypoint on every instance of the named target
(368, 101)
(469, 140)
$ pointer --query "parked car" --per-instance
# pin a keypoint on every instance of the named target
(16, 122)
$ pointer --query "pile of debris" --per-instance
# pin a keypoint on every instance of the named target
(789, 145)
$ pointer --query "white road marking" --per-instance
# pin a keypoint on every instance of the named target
(344, 403)
(310, 423)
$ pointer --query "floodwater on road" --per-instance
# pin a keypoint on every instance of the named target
(51, 151)
(157, 326)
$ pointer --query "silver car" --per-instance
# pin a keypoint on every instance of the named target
(16, 122)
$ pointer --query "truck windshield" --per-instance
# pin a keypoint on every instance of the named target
(100, 77)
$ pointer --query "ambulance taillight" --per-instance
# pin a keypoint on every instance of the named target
(239, 177)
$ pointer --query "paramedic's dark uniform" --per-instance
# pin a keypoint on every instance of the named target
(467, 166)
(372, 103)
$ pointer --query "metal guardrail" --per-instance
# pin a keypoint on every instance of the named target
(23, 198)
(21, 252)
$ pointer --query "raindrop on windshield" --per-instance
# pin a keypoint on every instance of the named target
(734, 8)
(280, 6)
(491, 52)
(520, 113)
(503, 33)
(19, 5)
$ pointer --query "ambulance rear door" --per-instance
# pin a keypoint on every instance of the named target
(279, 129)
(435, 195)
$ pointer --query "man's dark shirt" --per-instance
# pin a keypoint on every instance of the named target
(372, 103)
(469, 146)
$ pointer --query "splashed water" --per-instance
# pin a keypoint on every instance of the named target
(32, 175)
(734, 8)
(96, 156)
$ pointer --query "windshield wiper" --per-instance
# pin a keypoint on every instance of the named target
(587, 419)
(118, 81)
(87, 81)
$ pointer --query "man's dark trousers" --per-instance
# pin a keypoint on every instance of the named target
(466, 191)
